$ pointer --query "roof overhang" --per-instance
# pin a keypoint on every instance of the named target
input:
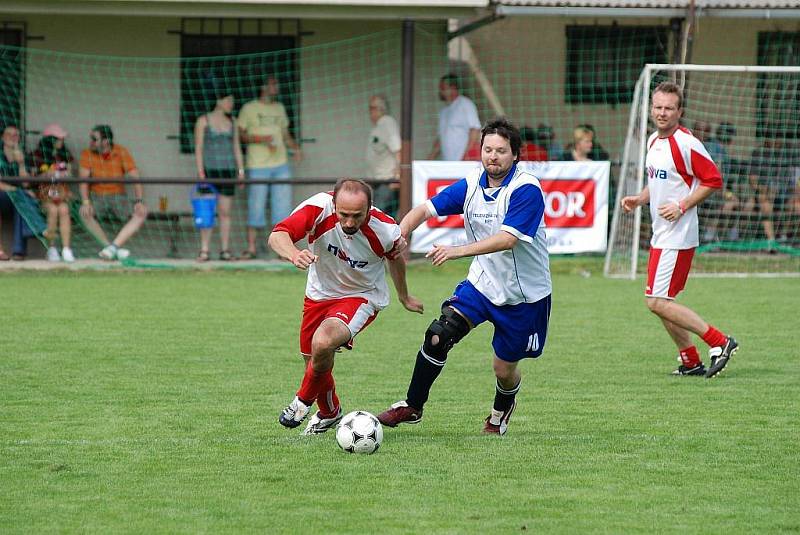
(311, 9)
(749, 9)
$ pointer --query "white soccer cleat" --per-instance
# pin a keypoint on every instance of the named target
(317, 424)
(52, 255)
(122, 253)
(66, 254)
(294, 414)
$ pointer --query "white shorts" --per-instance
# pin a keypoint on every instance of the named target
(667, 271)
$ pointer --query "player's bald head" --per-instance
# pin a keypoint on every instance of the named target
(352, 200)
(353, 187)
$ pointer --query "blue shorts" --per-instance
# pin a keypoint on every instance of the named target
(520, 331)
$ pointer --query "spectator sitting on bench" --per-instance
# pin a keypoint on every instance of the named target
(105, 159)
(51, 159)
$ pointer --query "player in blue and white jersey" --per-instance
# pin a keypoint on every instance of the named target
(508, 283)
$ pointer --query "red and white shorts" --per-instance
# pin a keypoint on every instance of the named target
(667, 271)
(355, 312)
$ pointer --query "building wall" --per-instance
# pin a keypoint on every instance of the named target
(525, 58)
(125, 72)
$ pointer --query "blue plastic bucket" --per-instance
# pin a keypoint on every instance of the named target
(204, 205)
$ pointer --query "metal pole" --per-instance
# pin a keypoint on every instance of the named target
(637, 222)
(406, 150)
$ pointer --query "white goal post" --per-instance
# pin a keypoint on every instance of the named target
(749, 118)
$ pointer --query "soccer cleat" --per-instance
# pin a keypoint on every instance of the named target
(720, 356)
(497, 421)
(400, 413)
(294, 414)
(52, 255)
(317, 424)
(684, 370)
(67, 255)
(109, 252)
(122, 253)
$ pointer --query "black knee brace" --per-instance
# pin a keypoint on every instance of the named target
(449, 329)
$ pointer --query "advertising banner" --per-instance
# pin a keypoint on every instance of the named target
(576, 203)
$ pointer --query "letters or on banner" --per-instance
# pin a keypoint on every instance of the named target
(576, 203)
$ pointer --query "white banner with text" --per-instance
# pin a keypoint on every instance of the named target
(575, 212)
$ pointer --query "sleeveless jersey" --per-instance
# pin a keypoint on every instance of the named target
(517, 275)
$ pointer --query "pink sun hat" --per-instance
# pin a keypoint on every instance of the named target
(54, 129)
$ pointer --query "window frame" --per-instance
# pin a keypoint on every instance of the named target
(579, 89)
(264, 45)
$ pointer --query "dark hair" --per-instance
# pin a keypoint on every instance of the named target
(105, 132)
(353, 185)
(214, 89)
(504, 128)
(527, 134)
(671, 88)
(452, 80)
(50, 154)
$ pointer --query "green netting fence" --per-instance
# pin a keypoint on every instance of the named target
(588, 80)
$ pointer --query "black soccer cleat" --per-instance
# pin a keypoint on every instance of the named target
(698, 370)
(720, 356)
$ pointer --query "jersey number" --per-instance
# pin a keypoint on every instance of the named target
(533, 342)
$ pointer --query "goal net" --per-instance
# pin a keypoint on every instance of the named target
(748, 118)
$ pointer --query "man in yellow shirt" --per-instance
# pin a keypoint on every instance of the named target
(264, 127)
(106, 159)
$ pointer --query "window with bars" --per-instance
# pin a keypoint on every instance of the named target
(236, 55)
(604, 62)
(778, 93)
(12, 37)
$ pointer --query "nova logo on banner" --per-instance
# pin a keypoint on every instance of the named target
(576, 203)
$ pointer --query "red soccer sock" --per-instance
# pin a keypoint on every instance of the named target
(714, 338)
(328, 401)
(690, 357)
(312, 385)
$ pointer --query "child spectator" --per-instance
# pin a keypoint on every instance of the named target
(52, 159)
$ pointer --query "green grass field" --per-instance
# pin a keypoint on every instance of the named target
(147, 402)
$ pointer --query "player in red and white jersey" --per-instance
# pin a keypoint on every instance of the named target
(681, 175)
(349, 241)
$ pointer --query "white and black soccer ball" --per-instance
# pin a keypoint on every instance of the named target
(359, 432)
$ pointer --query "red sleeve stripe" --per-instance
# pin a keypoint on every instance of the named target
(381, 216)
(372, 238)
(300, 222)
(706, 171)
(680, 165)
(324, 226)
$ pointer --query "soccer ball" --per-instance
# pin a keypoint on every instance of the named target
(359, 432)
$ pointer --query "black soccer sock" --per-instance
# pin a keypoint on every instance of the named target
(504, 399)
(426, 370)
